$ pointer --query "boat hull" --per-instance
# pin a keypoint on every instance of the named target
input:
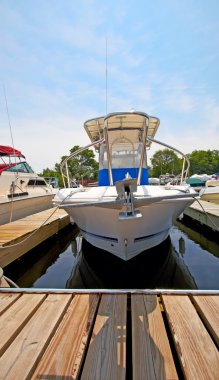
(211, 197)
(126, 238)
(19, 208)
(211, 192)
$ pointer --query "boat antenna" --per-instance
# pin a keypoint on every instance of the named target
(9, 121)
(13, 184)
(106, 77)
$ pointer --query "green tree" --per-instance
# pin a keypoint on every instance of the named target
(204, 161)
(165, 161)
(82, 166)
(52, 173)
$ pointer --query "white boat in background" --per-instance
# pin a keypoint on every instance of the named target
(210, 192)
(198, 181)
(22, 192)
(124, 215)
(153, 181)
(202, 177)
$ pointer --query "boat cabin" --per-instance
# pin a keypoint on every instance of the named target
(12, 160)
(122, 153)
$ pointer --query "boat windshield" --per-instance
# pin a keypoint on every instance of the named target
(166, 178)
(124, 154)
(21, 167)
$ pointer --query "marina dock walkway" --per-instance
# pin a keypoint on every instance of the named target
(125, 335)
(206, 213)
(26, 233)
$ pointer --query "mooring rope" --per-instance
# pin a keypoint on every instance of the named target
(207, 215)
(35, 231)
(10, 282)
(194, 196)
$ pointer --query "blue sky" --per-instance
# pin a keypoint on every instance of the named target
(163, 59)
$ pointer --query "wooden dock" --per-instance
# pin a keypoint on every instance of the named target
(67, 335)
(206, 213)
(20, 236)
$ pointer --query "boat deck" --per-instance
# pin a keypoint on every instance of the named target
(125, 335)
(20, 236)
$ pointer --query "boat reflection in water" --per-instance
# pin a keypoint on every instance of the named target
(69, 261)
(160, 267)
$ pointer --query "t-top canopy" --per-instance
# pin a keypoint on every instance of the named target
(9, 151)
(130, 121)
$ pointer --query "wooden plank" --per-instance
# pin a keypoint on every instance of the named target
(19, 230)
(65, 353)
(6, 300)
(106, 357)
(197, 353)
(29, 223)
(14, 318)
(208, 308)
(9, 254)
(151, 353)
(22, 356)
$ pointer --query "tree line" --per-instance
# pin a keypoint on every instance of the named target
(84, 166)
(201, 162)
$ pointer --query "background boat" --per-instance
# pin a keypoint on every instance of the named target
(210, 192)
(22, 191)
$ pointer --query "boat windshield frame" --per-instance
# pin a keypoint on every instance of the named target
(98, 130)
(142, 126)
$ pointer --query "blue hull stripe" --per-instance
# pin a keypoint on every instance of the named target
(149, 236)
(100, 236)
(116, 240)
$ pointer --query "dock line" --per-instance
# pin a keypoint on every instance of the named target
(207, 215)
(35, 231)
(29, 236)
(10, 282)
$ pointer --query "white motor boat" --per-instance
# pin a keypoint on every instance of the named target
(123, 215)
(210, 192)
(22, 192)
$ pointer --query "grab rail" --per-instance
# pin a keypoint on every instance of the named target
(65, 176)
(185, 158)
(64, 166)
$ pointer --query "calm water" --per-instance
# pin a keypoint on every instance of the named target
(188, 259)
